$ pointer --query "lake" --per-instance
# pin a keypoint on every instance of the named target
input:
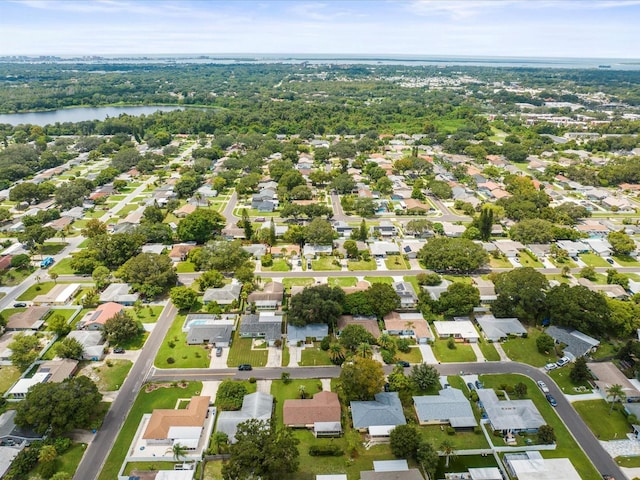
(81, 114)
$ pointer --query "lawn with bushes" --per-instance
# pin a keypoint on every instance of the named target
(524, 350)
(313, 356)
(112, 374)
(354, 265)
(36, 289)
(562, 378)
(606, 424)
(175, 353)
(461, 353)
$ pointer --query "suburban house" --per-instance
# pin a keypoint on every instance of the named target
(450, 406)
(461, 328)
(610, 290)
(168, 427)
(14, 436)
(60, 294)
(391, 470)
(225, 295)
(572, 248)
(408, 296)
(30, 319)
(343, 228)
(510, 416)
(600, 246)
(509, 248)
(410, 248)
(92, 341)
(321, 414)
(265, 201)
(256, 405)
(313, 331)
(368, 323)
(436, 290)
(205, 328)
(607, 374)
(486, 289)
(185, 210)
(378, 416)
(95, 320)
(496, 329)
(180, 251)
(576, 344)
(58, 370)
(386, 229)
(267, 325)
(408, 324)
(119, 293)
(532, 465)
(382, 249)
(269, 298)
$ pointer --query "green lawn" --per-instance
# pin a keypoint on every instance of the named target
(112, 374)
(52, 248)
(241, 352)
(413, 281)
(567, 263)
(127, 209)
(561, 377)
(628, 462)
(396, 262)
(499, 263)
(63, 267)
(145, 403)
(524, 350)
(314, 356)
(372, 280)
(414, 355)
(282, 392)
(213, 471)
(8, 376)
(286, 356)
(36, 289)
(302, 282)
(527, 261)
(462, 352)
(68, 461)
(15, 276)
(134, 343)
(489, 351)
(566, 445)
(185, 267)
(147, 314)
(279, 265)
(184, 356)
(593, 260)
(557, 277)
(354, 265)
(595, 414)
(626, 261)
(325, 264)
(461, 440)
(343, 281)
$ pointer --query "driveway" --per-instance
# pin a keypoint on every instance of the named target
(219, 362)
(275, 357)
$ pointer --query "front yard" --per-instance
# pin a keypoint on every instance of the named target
(524, 350)
(241, 352)
(36, 289)
(605, 426)
(488, 350)
(593, 260)
(314, 356)
(396, 262)
(112, 374)
(175, 353)
(325, 264)
(462, 353)
(354, 265)
(561, 377)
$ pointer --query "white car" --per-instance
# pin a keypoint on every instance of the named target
(550, 366)
(563, 361)
(543, 386)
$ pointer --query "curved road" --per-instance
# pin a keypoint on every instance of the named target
(583, 436)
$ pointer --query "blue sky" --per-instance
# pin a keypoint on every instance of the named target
(544, 28)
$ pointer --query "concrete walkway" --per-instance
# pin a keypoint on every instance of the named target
(326, 384)
(427, 355)
(275, 357)
(479, 355)
(503, 356)
(264, 386)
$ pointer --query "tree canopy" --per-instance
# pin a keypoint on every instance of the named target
(521, 293)
(200, 226)
(458, 255)
(150, 274)
(317, 304)
(361, 379)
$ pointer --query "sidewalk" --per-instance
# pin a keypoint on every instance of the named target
(479, 355)
(501, 352)
(427, 355)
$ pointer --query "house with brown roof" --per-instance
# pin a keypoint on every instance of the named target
(95, 320)
(185, 210)
(314, 413)
(30, 319)
(165, 427)
(408, 324)
(58, 370)
(269, 298)
(370, 324)
(180, 251)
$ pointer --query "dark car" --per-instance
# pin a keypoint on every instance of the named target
(610, 260)
(19, 305)
(479, 384)
(471, 386)
(245, 367)
(404, 364)
(551, 400)
(118, 350)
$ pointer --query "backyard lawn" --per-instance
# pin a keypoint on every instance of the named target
(595, 414)
(37, 289)
(353, 265)
(282, 392)
(561, 377)
(67, 462)
(343, 281)
(112, 374)
(593, 260)
(175, 347)
(145, 403)
(241, 352)
(213, 471)
(566, 445)
(325, 264)
(462, 352)
(524, 350)
(396, 262)
(8, 376)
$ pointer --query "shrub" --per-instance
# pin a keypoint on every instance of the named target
(403, 345)
(325, 451)
(267, 260)
(387, 357)
(451, 343)
(170, 360)
(324, 344)
(451, 431)
(171, 344)
(252, 380)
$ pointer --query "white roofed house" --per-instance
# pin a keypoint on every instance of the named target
(461, 328)
(225, 295)
(119, 293)
(510, 416)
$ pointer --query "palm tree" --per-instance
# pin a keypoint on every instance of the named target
(220, 441)
(303, 391)
(616, 393)
(448, 449)
(179, 451)
(364, 350)
(336, 353)
(385, 341)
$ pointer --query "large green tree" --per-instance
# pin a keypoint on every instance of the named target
(200, 226)
(59, 407)
(404, 441)
(354, 335)
(183, 297)
(424, 376)
(150, 274)
(521, 293)
(261, 450)
(24, 350)
(121, 327)
(621, 243)
(319, 232)
(317, 304)
(458, 299)
(70, 348)
(578, 307)
(458, 255)
(361, 379)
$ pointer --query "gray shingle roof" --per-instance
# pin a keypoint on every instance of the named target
(267, 326)
(256, 405)
(449, 405)
(577, 343)
(509, 414)
(497, 328)
(386, 409)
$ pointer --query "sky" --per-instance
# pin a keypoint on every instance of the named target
(521, 28)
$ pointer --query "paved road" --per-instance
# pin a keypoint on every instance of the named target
(97, 451)
(601, 460)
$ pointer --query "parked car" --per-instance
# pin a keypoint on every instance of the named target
(550, 366)
(245, 367)
(551, 400)
(471, 386)
(404, 364)
(479, 384)
(543, 386)
(118, 350)
(610, 260)
(218, 351)
(19, 305)
(563, 361)
(260, 219)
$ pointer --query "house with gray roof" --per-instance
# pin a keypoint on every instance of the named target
(256, 405)
(510, 416)
(93, 343)
(119, 293)
(496, 329)
(407, 294)
(449, 406)
(267, 325)
(384, 411)
(315, 331)
(204, 328)
(577, 344)
(11, 434)
(225, 295)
